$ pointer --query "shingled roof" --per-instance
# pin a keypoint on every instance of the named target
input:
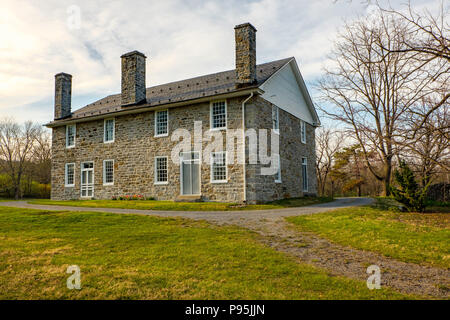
(179, 91)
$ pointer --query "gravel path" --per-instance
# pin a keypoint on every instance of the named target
(277, 233)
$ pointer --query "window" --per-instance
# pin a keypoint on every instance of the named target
(305, 174)
(218, 167)
(108, 172)
(109, 130)
(161, 123)
(161, 173)
(303, 131)
(70, 175)
(278, 164)
(218, 115)
(275, 119)
(70, 135)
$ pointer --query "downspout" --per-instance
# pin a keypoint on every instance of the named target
(243, 145)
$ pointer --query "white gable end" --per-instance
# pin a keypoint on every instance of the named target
(284, 90)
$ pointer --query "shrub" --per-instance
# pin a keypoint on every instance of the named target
(409, 194)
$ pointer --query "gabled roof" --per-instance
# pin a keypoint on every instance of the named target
(176, 92)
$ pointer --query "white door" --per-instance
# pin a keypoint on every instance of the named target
(87, 179)
(190, 173)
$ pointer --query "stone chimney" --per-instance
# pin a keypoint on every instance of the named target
(133, 78)
(63, 95)
(245, 36)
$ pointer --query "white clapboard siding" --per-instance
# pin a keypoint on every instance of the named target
(284, 89)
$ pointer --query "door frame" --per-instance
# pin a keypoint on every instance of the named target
(199, 172)
(81, 178)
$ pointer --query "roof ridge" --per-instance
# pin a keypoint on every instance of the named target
(180, 90)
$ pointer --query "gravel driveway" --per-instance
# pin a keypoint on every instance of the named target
(275, 232)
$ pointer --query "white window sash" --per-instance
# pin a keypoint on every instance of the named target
(211, 117)
(156, 171)
(66, 175)
(303, 131)
(105, 183)
(305, 174)
(225, 165)
(156, 123)
(113, 134)
(74, 135)
(276, 123)
(278, 174)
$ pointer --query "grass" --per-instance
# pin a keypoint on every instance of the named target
(421, 238)
(184, 206)
(142, 257)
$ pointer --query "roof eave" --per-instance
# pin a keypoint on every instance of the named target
(146, 108)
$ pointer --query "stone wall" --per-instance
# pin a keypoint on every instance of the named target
(261, 188)
(135, 148)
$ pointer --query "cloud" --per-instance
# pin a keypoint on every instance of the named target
(181, 39)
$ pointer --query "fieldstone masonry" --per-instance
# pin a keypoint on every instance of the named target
(63, 95)
(133, 78)
(245, 36)
(135, 148)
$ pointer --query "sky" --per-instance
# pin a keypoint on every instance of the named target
(181, 39)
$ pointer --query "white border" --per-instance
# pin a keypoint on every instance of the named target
(74, 135)
(199, 173)
(104, 130)
(226, 168)
(277, 131)
(93, 178)
(278, 174)
(211, 117)
(156, 124)
(66, 185)
(155, 173)
(104, 173)
(303, 136)
(303, 178)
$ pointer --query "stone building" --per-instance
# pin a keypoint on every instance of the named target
(145, 141)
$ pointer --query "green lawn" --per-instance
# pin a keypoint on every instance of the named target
(142, 257)
(412, 237)
(184, 206)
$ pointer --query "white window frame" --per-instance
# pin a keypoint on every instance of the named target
(276, 128)
(67, 185)
(113, 133)
(211, 115)
(156, 124)
(278, 174)
(74, 135)
(104, 173)
(93, 179)
(303, 131)
(156, 170)
(212, 171)
(305, 163)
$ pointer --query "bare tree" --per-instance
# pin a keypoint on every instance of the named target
(16, 145)
(370, 90)
(328, 142)
(428, 148)
(41, 156)
(426, 39)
